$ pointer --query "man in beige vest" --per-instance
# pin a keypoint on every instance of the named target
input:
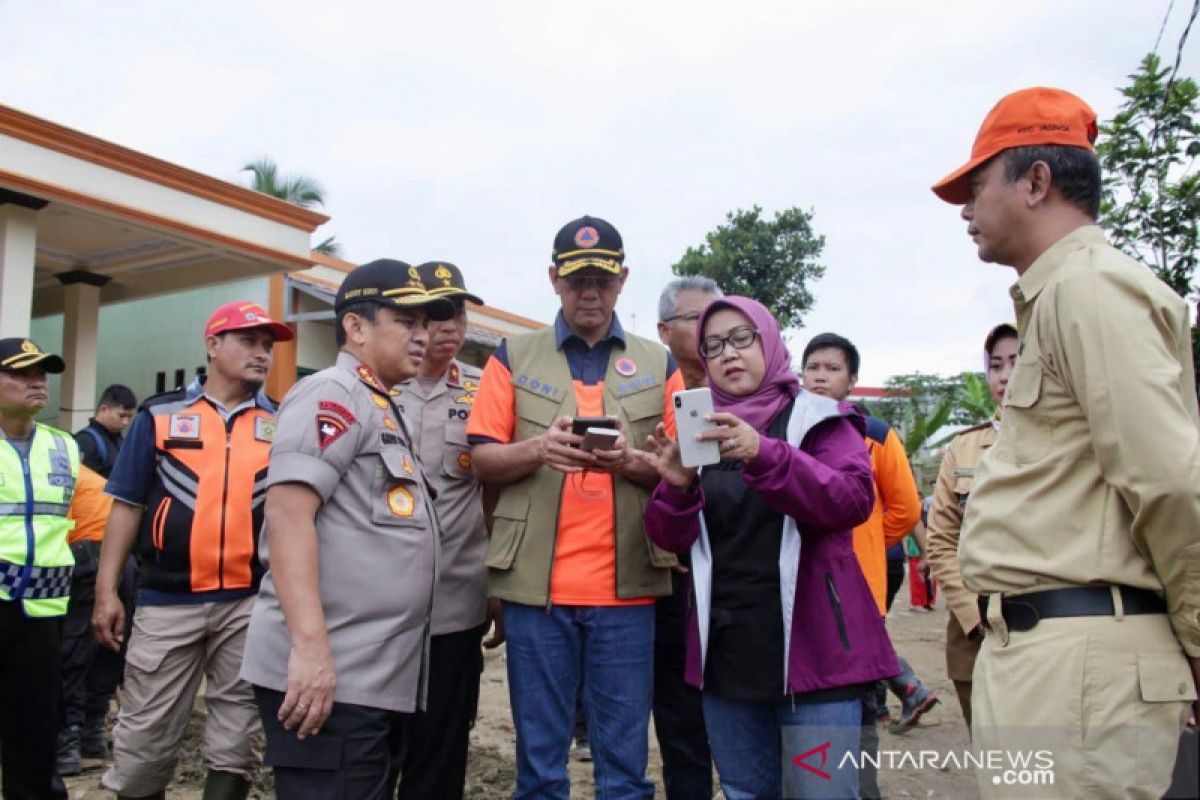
(568, 555)
(1082, 535)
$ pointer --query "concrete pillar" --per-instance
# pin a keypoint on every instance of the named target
(18, 246)
(81, 323)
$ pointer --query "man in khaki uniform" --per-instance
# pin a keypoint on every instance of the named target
(1083, 529)
(964, 629)
(436, 404)
(338, 644)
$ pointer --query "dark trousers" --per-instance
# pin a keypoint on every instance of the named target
(29, 704)
(678, 712)
(90, 672)
(433, 765)
(895, 579)
(356, 756)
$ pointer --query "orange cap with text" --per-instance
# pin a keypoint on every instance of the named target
(1036, 116)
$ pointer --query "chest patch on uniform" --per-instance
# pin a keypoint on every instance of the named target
(379, 401)
(340, 410)
(407, 465)
(184, 426)
(636, 385)
(264, 429)
(468, 396)
(400, 502)
(329, 429)
(60, 479)
(625, 366)
(964, 472)
(390, 423)
(464, 460)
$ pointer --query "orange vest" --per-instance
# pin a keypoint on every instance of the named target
(199, 532)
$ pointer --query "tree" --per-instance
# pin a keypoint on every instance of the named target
(772, 261)
(298, 189)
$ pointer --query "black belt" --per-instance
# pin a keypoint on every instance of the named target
(1022, 612)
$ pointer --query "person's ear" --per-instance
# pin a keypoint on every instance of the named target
(1039, 177)
(853, 380)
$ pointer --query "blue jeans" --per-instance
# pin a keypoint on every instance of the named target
(754, 744)
(610, 652)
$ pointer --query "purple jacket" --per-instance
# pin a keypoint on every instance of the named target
(824, 487)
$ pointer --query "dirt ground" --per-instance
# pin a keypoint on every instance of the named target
(919, 636)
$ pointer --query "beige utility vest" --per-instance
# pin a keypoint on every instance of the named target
(521, 552)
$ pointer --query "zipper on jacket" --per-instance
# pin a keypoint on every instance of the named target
(30, 539)
(224, 502)
(837, 610)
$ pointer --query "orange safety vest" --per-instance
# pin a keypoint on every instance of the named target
(199, 532)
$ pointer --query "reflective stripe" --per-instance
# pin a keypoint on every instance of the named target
(42, 583)
(19, 509)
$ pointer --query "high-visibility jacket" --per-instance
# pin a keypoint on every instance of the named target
(35, 495)
(199, 532)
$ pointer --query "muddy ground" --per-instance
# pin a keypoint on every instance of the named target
(918, 635)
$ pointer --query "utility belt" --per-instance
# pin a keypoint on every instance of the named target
(1022, 612)
(44, 582)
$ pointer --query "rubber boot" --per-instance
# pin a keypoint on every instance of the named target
(220, 785)
(67, 760)
(93, 740)
(162, 795)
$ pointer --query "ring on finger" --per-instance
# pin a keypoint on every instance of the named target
(302, 706)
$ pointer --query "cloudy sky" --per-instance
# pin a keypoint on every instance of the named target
(471, 131)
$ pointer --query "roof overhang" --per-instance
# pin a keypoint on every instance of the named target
(139, 225)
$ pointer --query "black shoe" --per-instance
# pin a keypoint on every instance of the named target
(68, 761)
(93, 741)
(220, 785)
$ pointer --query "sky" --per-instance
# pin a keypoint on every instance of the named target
(472, 131)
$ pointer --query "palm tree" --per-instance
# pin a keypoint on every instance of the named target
(299, 189)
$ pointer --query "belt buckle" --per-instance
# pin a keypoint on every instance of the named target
(1019, 616)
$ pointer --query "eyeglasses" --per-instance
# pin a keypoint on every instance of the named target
(581, 283)
(691, 316)
(739, 338)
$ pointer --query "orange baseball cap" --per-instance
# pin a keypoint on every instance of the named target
(1028, 117)
(242, 314)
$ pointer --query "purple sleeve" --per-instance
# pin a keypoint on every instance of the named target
(673, 517)
(825, 485)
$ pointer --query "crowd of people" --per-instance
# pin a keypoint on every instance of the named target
(331, 567)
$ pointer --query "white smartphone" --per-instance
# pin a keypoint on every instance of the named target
(692, 407)
(599, 439)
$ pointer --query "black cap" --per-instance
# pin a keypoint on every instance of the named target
(390, 283)
(19, 353)
(588, 242)
(443, 279)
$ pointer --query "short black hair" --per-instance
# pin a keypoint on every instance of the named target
(366, 310)
(117, 396)
(823, 341)
(1073, 170)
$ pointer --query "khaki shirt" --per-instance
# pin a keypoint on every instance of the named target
(1095, 475)
(945, 518)
(438, 422)
(376, 536)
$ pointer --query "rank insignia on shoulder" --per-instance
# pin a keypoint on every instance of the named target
(329, 429)
(367, 376)
(184, 426)
(400, 502)
(453, 375)
(264, 429)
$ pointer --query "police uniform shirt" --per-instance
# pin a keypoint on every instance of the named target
(437, 419)
(338, 434)
(1095, 474)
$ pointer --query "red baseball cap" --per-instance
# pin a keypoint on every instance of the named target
(1028, 117)
(243, 314)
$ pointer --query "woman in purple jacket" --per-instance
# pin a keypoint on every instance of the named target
(784, 635)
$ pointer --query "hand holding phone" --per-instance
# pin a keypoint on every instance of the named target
(692, 409)
(600, 439)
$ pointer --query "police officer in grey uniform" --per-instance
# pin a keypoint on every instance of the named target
(436, 404)
(338, 643)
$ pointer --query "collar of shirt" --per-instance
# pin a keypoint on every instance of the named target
(563, 333)
(1040, 272)
(364, 374)
(195, 390)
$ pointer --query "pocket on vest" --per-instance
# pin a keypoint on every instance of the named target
(508, 529)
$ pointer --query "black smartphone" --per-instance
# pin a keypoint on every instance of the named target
(579, 425)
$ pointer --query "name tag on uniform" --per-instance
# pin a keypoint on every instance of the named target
(184, 426)
(264, 429)
(964, 472)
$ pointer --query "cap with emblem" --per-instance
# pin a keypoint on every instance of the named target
(243, 314)
(588, 242)
(19, 353)
(443, 279)
(391, 283)
(1036, 116)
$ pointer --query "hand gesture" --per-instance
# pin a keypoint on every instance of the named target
(737, 439)
(108, 620)
(311, 681)
(558, 448)
(662, 453)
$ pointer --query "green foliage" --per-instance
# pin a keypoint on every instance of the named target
(919, 406)
(773, 261)
(1148, 151)
(300, 190)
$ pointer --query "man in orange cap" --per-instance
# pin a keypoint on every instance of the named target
(1082, 536)
(188, 489)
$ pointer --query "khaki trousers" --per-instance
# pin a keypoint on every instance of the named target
(171, 649)
(1106, 697)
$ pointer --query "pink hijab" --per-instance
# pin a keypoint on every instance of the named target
(779, 384)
